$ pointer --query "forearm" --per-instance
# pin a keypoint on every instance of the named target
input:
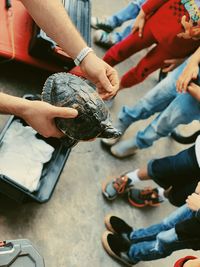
(51, 16)
(13, 105)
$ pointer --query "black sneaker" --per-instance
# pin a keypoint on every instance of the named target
(118, 226)
(117, 247)
(144, 197)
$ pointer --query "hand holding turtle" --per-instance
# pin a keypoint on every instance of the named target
(101, 74)
(93, 120)
(40, 116)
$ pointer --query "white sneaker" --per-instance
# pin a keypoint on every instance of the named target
(111, 141)
(124, 149)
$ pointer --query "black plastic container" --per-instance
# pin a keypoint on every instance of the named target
(19, 253)
(50, 173)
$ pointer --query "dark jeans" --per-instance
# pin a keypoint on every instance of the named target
(180, 171)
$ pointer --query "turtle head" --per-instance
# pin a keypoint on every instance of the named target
(109, 131)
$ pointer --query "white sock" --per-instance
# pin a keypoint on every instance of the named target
(134, 177)
(161, 193)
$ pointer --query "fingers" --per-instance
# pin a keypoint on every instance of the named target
(168, 69)
(134, 29)
(194, 90)
(140, 31)
(63, 112)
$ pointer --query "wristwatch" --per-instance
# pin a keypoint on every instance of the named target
(84, 52)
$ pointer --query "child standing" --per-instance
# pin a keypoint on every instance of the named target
(159, 22)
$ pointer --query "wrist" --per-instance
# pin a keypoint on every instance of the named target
(89, 58)
(142, 13)
(13, 105)
(82, 55)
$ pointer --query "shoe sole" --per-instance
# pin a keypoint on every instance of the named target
(109, 250)
(109, 145)
(121, 157)
(108, 224)
(135, 204)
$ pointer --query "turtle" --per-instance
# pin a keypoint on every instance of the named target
(93, 120)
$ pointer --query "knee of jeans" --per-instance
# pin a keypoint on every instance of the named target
(163, 240)
(162, 127)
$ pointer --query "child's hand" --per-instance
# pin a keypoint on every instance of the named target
(187, 27)
(171, 64)
(194, 90)
(191, 32)
(193, 202)
(192, 263)
(139, 23)
(189, 73)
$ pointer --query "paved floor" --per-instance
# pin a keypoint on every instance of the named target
(67, 229)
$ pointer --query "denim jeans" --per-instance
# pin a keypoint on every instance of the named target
(158, 240)
(174, 109)
(130, 12)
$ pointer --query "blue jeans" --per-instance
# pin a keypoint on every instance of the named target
(130, 12)
(158, 240)
(173, 108)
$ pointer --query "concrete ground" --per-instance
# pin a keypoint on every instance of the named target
(67, 229)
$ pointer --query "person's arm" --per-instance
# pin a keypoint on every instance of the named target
(39, 115)
(189, 73)
(54, 20)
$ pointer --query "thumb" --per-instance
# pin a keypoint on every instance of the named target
(63, 112)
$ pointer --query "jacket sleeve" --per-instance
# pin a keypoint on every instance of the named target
(151, 6)
(180, 262)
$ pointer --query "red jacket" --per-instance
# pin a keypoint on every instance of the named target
(181, 261)
(165, 24)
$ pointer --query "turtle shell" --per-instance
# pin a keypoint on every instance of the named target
(93, 120)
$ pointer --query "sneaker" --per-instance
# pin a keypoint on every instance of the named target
(118, 226)
(110, 142)
(101, 23)
(117, 247)
(124, 149)
(146, 197)
(104, 39)
(116, 186)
